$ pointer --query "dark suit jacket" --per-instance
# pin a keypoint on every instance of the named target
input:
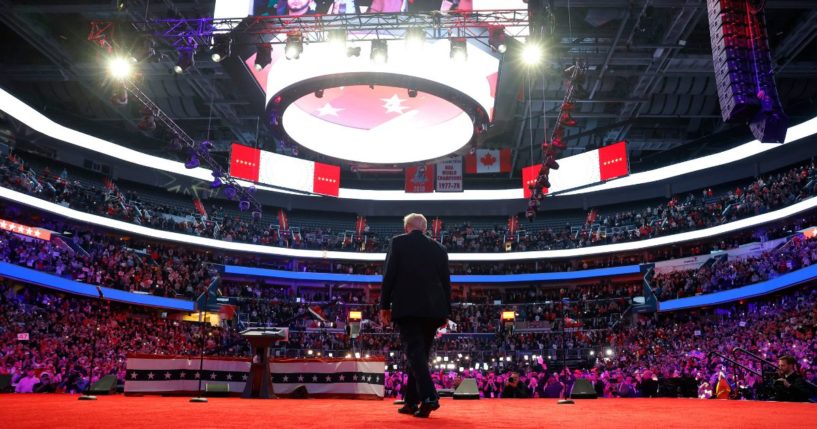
(416, 282)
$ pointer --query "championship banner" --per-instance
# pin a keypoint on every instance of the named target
(420, 179)
(327, 377)
(449, 175)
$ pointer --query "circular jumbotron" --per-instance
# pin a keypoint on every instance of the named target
(417, 106)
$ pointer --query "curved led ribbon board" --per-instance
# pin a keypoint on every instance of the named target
(40, 123)
(746, 292)
(482, 279)
(51, 281)
(380, 257)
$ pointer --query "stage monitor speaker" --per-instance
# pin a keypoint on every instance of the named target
(583, 389)
(105, 386)
(300, 392)
(5, 383)
(217, 389)
(467, 389)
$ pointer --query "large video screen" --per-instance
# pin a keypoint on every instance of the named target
(242, 8)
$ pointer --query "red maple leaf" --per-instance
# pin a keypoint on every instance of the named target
(488, 159)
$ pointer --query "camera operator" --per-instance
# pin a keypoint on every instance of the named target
(515, 388)
(791, 386)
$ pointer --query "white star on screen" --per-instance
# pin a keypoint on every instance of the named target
(394, 104)
(327, 109)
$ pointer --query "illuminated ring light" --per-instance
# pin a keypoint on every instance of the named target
(401, 139)
(364, 112)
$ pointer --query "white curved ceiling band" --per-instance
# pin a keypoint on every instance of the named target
(44, 125)
(378, 257)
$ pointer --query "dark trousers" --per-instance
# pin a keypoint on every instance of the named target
(417, 335)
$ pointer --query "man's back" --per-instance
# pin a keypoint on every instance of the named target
(416, 281)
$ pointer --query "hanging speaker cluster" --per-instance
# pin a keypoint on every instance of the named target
(743, 68)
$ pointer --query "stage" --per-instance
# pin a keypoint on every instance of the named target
(57, 410)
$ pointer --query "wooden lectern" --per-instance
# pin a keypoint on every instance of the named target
(259, 383)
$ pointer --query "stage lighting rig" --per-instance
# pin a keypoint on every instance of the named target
(119, 68)
(263, 55)
(415, 39)
(294, 46)
(337, 39)
(459, 50)
(496, 39)
(222, 47)
(186, 49)
(380, 52)
(532, 53)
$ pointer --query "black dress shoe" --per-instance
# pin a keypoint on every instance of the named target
(407, 409)
(426, 407)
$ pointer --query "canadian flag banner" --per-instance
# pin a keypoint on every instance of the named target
(420, 179)
(284, 171)
(488, 161)
(583, 169)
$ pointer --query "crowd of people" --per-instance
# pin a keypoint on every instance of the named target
(647, 356)
(726, 273)
(678, 214)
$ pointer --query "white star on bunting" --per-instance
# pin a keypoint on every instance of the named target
(212, 376)
(300, 377)
(286, 379)
(150, 375)
(328, 378)
(133, 375)
(314, 378)
(167, 376)
(229, 376)
(198, 375)
(182, 374)
(341, 377)
(328, 110)
(244, 377)
(394, 104)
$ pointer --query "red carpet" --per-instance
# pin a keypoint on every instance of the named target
(60, 411)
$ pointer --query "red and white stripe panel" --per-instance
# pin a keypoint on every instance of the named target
(284, 171)
(583, 169)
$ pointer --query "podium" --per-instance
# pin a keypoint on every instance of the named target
(259, 383)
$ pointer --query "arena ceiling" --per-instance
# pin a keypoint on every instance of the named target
(650, 80)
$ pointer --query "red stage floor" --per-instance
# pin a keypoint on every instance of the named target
(62, 411)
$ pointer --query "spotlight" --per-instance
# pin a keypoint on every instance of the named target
(263, 55)
(185, 61)
(608, 352)
(353, 52)
(229, 192)
(380, 52)
(294, 46)
(222, 46)
(119, 68)
(243, 205)
(415, 39)
(146, 52)
(496, 39)
(531, 54)
(337, 40)
(459, 51)
(412, 93)
(192, 163)
(121, 5)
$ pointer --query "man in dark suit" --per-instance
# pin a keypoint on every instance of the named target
(791, 386)
(417, 296)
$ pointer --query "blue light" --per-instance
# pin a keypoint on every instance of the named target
(501, 278)
(64, 285)
(746, 292)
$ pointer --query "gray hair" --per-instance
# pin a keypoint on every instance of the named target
(415, 221)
